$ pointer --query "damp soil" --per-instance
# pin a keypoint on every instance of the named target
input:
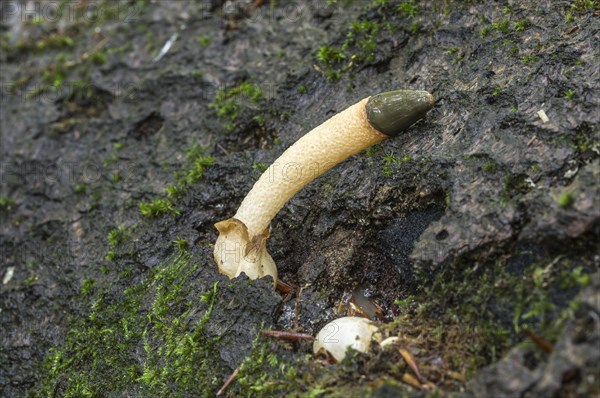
(129, 128)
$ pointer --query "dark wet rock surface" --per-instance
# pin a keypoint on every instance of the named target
(570, 370)
(481, 221)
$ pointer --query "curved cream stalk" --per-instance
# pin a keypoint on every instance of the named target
(241, 245)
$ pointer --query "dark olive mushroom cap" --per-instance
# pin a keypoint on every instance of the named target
(393, 112)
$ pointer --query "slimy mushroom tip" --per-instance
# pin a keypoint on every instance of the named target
(393, 112)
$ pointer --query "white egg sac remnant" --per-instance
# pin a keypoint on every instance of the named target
(351, 331)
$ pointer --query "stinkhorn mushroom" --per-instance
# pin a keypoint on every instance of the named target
(241, 245)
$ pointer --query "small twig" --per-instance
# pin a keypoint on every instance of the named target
(223, 149)
(285, 335)
(410, 361)
(411, 380)
(229, 380)
(101, 44)
(283, 287)
(543, 344)
(297, 308)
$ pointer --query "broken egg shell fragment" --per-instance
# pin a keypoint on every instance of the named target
(389, 342)
(347, 332)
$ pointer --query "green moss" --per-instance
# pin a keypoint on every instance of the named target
(151, 43)
(30, 280)
(110, 160)
(198, 74)
(330, 57)
(116, 236)
(204, 40)
(376, 3)
(415, 28)
(585, 5)
(123, 348)
(575, 277)
(35, 21)
(391, 162)
(6, 203)
(538, 304)
(87, 287)
(489, 167)
(448, 199)
(408, 8)
(181, 245)
(54, 40)
(253, 92)
(529, 59)
(372, 151)
(260, 118)
(126, 273)
(501, 26)
(513, 50)
(265, 374)
(176, 191)
(110, 255)
(521, 25)
(224, 108)
(99, 57)
(535, 304)
(455, 51)
(195, 171)
(64, 67)
(302, 89)
(566, 200)
(227, 103)
(157, 207)
(96, 196)
(456, 316)
(569, 94)
(192, 171)
(116, 177)
(54, 77)
(513, 187)
(362, 36)
(262, 167)
(569, 17)
(474, 313)
(360, 44)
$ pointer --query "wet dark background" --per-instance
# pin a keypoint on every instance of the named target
(119, 151)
